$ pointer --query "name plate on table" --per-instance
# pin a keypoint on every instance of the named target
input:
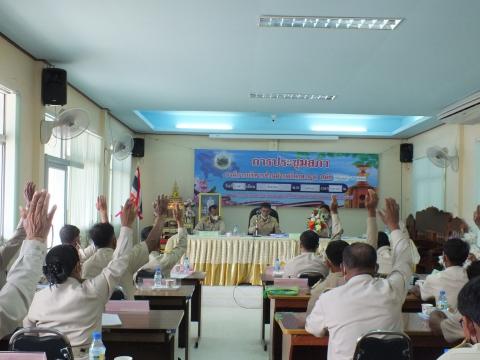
(279, 236)
(7, 355)
(209, 233)
(127, 306)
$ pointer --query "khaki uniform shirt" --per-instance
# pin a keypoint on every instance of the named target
(17, 293)
(174, 250)
(333, 280)
(208, 224)
(306, 262)
(265, 226)
(75, 308)
(102, 257)
(334, 230)
(9, 250)
(451, 280)
(346, 312)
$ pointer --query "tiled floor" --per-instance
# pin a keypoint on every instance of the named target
(230, 331)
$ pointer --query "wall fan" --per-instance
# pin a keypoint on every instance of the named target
(122, 147)
(67, 125)
(440, 157)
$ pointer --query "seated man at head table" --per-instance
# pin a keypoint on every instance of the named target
(364, 303)
(333, 253)
(308, 260)
(211, 222)
(468, 300)
(17, 293)
(72, 305)
(452, 279)
(334, 230)
(70, 235)
(175, 248)
(449, 324)
(103, 236)
(264, 222)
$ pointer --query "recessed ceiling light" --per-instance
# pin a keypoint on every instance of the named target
(291, 96)
(204, 126)
(323, 22)
(338, 128)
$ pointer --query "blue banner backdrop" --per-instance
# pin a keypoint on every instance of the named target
(285, 178)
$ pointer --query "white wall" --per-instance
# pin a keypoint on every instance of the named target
(171, 157)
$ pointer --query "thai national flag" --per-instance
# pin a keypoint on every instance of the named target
(136, 194)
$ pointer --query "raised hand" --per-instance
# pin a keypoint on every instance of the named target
(128, 214)
(28, 192)
(160, 206)
(476, 216)
(178, 215)
(37, 221)
(102, 209)
(391, 214)
(371, 203)
(334, 205)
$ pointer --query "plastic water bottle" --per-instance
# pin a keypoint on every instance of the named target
(157, 278)
(276, 265)
(97, 349)
(186, 264)
(235, 230)
(442, 301)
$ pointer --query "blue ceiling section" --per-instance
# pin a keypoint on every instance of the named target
(208, 122)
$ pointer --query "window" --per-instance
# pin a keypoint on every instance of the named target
(73, 177)
(428, 187)
(120, 183)
(3, 96)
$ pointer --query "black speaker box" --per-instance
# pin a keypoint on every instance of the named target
(138, 147)
(406, 153)
(54, 86)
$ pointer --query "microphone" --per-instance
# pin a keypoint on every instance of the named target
(258, 212)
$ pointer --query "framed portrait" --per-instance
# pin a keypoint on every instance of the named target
(205, 200)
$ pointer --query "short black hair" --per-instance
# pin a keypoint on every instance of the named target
(68, 233)
(214, 206)
(360, 256)
(310, 240)
(473, 270)
(468, 300)
(265, 205)
(59, 263)
(382, 239)
(456, 250)
(334, 251)
(145, 232)
(102, 234)
(324, 206)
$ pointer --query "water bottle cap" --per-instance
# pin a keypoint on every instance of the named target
(96, 335)
(157, 269)
(442, 292)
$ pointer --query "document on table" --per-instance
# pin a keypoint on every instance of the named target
(111, 320)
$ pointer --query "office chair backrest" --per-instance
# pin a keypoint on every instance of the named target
(381, 345)
(118, 294)
(144, 274)
(273, 213)
(312, 277)
(50, 341)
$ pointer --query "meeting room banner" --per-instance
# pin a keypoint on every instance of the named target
(285, 178)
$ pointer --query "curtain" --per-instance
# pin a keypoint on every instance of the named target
(428, 185)
(120, 183)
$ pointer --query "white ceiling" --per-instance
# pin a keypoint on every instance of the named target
(209, 55)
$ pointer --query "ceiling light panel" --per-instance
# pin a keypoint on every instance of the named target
(320, 22)
(291, 96)
(339, 128)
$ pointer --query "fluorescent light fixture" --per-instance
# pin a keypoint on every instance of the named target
(324, 22)
(339, 128)
(271, 137)
(291, 96)
(204, 126)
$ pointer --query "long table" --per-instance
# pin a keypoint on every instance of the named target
(233, 260)
(298, 344)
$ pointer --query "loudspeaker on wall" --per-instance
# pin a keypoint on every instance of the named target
(406, 153)
(138, 147)
(54, 86)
